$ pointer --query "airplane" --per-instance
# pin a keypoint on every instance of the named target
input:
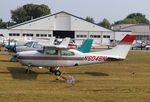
(54, 57)
(11, 44)
(35, 45)
(1, 41)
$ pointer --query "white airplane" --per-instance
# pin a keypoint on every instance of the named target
(35, 45)
(11, 44)
(1, 41)
(53, 57)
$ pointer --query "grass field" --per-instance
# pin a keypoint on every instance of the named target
(123, 81)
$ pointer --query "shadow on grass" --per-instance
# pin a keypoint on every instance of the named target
(4, 72)
(4, 60)
(97, 74)
(19, 73)
(92, 73)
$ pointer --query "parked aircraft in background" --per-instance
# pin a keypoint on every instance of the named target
(11, 44)
(1, 41)
(55, 56)
(35, 45)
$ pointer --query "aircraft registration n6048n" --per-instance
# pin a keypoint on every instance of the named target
(61, 56)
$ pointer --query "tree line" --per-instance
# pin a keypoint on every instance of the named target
(32, 11)
(25, 13)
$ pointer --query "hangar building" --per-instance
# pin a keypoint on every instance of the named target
(60, 25)
(142, 31)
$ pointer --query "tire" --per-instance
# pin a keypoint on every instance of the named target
(57, 72)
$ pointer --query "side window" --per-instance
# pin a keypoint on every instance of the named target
(67, 53)
(51, 52)
(36, 45)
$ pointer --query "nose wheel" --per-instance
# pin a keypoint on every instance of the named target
(28, 70)
(70, 79)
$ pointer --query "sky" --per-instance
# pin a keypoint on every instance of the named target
(113, 10)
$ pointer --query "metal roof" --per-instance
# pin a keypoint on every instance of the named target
(39, 18)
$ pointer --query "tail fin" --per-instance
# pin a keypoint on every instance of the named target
(49, 42)
(121, 50)
(86, 46)
(128, 39)
(64, 43)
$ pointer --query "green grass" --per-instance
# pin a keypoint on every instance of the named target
(123, 81)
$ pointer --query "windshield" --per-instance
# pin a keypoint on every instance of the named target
(28, 44)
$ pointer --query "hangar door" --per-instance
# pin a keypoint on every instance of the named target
(63, 34)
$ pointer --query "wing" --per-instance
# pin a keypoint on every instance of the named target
(62, 45)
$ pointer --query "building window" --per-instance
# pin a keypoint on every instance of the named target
(10, 34)
(106, 36)
(30, 34)
(84, 36)
(1, 35)
(77, 36)
(95, 36)
(91, 36)
(98, 36)
(14, 34)
(27, 34)
(45, 35)
(41, 35)
(18, 34)
(81, 36)
(37, 35)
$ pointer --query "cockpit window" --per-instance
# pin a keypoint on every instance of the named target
(29, 44)
(67, 53)
(51, 52)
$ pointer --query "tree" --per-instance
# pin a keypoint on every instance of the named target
(28, 12)
(90, 19)
(105, 23)
(134, 18)
(2, 24)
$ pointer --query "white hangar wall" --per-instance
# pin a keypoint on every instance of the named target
(61, 22)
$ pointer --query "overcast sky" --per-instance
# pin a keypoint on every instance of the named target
(113, 10)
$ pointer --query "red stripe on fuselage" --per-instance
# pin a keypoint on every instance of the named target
(49, 58)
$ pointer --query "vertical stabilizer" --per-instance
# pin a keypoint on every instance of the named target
(121, 50)
(86, 46)
(64, 43)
